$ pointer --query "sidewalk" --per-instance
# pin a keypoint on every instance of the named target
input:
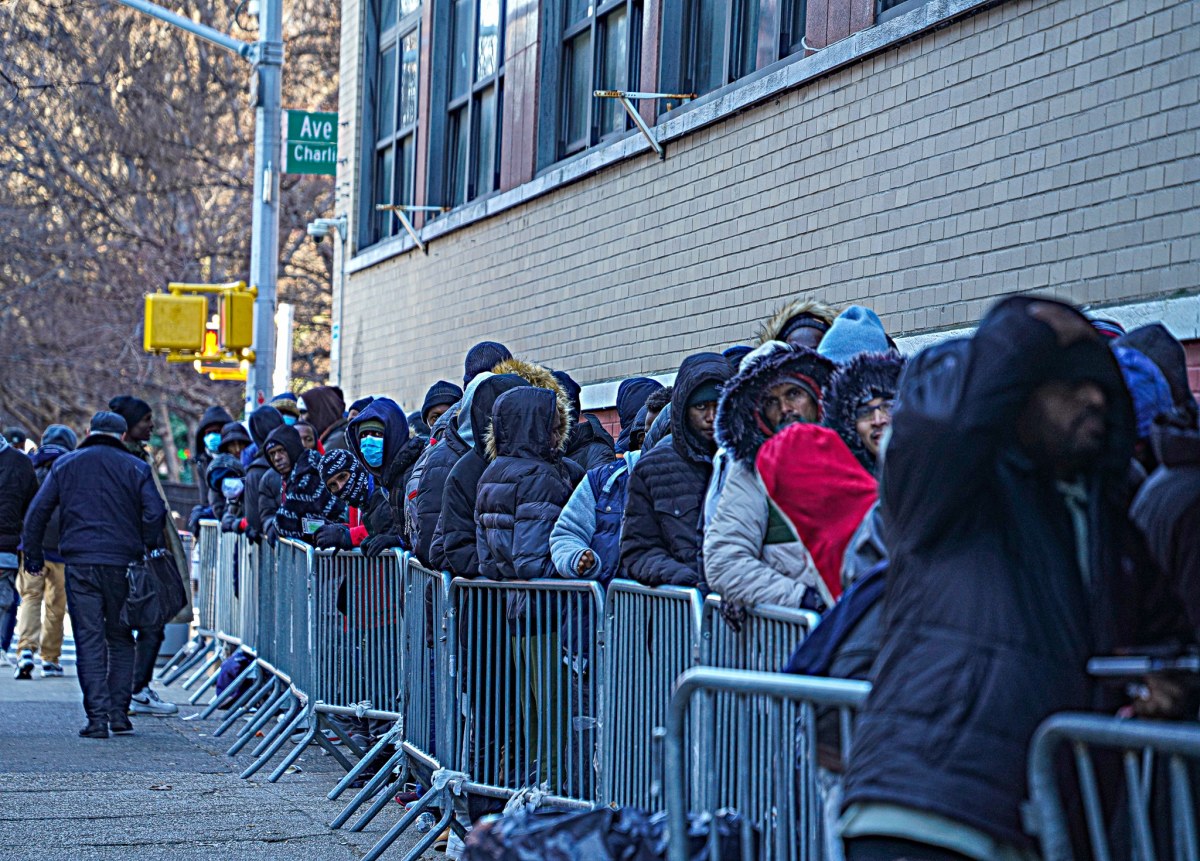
(167, 792)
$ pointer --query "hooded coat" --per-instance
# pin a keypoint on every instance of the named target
(585, 446)
(591, 520)
(109, 509)
(264, 487)
(865, 377)
(661, 534)
(233, 433)
(454, 545)
(326, 408)
(305, 496)
(18, 485)
(1157, 344)
(526, 485)
(774, 328)
(225, 466)
(989, 619)
(56, 441)
(632, 395)
(400, 453)
(751, 556)
(214, 419)
(445, 447)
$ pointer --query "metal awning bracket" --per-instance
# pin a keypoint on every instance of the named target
(627, 99)
(401, 210)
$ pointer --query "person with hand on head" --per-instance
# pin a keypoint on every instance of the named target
(661, 533)
(44, 598)
(379, 439)
(109, 514)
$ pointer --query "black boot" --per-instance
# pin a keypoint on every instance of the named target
(95, 729)
(120, 723)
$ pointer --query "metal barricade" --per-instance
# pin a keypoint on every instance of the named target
(247, 590)
(264, 606)
(206, 571)
(798, 722)
(527, 681)
(228, 615)
(293, 646)
(1161, 766)
(426, 698)
(652, 635)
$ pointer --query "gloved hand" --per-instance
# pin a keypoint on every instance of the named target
(271, 533)
(199, 512)
(377, 545)
(334, 535)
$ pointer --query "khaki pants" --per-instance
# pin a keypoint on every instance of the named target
(46, 594)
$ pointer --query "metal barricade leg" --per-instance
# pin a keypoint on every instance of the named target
(446, 786)
(264, 714)
(271, 744)
(392, 736)
(379, 782)
(295, 713)
(215, 660)
(210, 682)
(185, 652)
(205, 644)
(254, 697)
(215, 703)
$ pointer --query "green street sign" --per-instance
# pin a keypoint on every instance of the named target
(310, 142)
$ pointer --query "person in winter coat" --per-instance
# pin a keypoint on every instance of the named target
(18, 485)
(525, 486)
(227, 476)
(454, 546)
(447, 444)
(1024, 430)
(801, 323)
(661, 534)
(752, 557)
(307, 504)
(109, 514)
(632, 395)
(1151, 397)
(483, 358)
(234, 440)
(326, 408)
(855, 331)
(379, 438)
(586, 447)
(206, 446)
(288, 406)
(1158, 345)
(347, 479)
(357, 407)
(264, 486)
(438, 400)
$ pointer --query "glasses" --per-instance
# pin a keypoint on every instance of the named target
(866, 411)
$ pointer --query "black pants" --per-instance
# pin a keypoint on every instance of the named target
(149, 641)
(103, 646)
(894, 849)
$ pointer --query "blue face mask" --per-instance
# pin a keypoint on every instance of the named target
(211, 441)
(372, 450)
(290, 420)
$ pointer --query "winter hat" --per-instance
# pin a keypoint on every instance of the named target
(231, 433)
(865, 377)
(632, 395)
(735, 355)
(16, 436)
(483, 357)
(132, 409)
(357, 491)
(60, 436)
(108, 424)
(417, 425)
(361, 404)
(286, 404)
(856, 330)
(705, 393)
(440, 394)
(223, 466)
(1147, 386)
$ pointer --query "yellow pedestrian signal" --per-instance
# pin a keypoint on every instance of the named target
(237, 320)
(174, 323)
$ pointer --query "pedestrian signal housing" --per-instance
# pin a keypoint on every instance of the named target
(237, 320)
(174, 323)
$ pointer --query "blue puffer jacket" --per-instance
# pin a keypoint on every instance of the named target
(400, 453)
(109, 509)
(591, 520)
(661, 536)
(525, 487)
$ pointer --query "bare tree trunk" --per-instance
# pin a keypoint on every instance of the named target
(168, 438)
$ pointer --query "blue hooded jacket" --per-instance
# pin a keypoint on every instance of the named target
(400, 453)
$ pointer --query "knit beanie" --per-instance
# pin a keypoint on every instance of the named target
(361, 404)
(483, 357)
(287, 404)
(856, 330)
(132, 409)
(707, 393)
(440, 394)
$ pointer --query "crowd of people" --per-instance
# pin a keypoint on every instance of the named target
(983, 517)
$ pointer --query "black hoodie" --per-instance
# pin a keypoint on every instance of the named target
(400, 452)
(264, 486)
(454, 547)
(305, 496)
(661, 535)
(214, 419)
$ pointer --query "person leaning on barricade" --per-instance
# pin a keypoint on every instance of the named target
(1013, 562)
(427, 479)
(307, 505)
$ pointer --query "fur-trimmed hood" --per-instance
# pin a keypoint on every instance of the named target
(739, 427)
(772, 329)
(529, 422)
(865, 377)
(532, 373)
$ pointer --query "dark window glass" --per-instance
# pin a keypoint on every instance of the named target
(795, 20)
(472, 111)
(578, 10)
(385, 108)
(614, 73)
(485, 139)
(458, 157)
(601, 50)
(387, 15)
(383, 181)
(579, 91)
(460, 70)
(720, 42)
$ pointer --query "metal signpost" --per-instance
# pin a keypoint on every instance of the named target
(266, 59)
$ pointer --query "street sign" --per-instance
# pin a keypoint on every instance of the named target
(310, 142)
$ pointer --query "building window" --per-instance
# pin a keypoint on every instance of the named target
(792, 25)
(720, 42)
(474, 99)
(390, 113)
(601, 50)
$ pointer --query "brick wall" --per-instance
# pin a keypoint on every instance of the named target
(1040, 145)
(1193, 362)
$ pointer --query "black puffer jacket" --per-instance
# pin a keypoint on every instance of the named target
(441, 456)
(988, 623)
(214, 418)
(400, 453)
(454, 546)
(525, 487)
(262, 421)
(18, 484)
(661, 535)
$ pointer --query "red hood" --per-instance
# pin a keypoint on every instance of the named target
(812, 477)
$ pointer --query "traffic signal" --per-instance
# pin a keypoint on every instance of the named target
(236, 320)
(174, 322)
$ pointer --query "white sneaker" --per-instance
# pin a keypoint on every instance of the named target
(147, 702)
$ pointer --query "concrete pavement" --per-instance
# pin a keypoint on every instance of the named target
(167, 792)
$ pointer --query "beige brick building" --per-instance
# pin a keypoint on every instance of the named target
(923, 165)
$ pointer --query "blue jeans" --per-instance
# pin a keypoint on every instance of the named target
(103, 646)
(9, 599)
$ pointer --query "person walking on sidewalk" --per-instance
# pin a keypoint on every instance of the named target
(140, 419)
(109, 514)
(18, 484)
(44, 598)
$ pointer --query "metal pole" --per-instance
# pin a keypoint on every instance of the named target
(264, 249)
